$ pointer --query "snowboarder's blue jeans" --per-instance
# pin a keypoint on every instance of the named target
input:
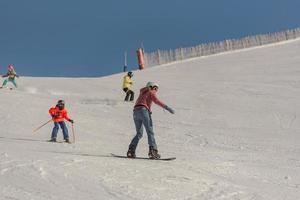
(13, 80)
(64, 128)
(142, 116)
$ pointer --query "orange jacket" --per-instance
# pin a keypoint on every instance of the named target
(59, 115)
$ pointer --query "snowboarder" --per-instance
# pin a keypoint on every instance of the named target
(127, 83)
(11, 74)
(142, 116)
(59, 114)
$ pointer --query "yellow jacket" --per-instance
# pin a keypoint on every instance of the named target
(127, 82)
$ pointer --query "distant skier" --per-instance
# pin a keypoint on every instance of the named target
(127, 83)
(11, 74)
(142, 116)
(59, 114)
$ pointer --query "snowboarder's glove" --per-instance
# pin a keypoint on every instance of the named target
(169, 109)
(71, 120)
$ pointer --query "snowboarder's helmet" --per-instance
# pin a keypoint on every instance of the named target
(130, 74)
(10, 67)
(152, 85)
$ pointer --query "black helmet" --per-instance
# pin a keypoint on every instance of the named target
(61, 104)
(130, 74)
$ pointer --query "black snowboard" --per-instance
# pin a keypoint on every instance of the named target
(143, 158)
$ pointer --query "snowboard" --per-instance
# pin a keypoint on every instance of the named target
(143, 158)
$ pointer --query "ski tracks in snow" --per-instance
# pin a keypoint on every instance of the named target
(175, 180)
(12, 166)
(285, 121)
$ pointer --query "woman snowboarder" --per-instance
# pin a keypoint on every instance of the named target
(142, 116)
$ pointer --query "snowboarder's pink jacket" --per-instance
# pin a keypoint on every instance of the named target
(147, 96)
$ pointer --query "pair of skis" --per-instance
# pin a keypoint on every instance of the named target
(8, 88)
(73, 131)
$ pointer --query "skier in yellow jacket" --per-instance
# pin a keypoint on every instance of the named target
(127, 83)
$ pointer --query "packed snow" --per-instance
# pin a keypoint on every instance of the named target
(235, 133)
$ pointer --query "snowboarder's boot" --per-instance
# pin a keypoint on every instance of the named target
(131, 152)
(52, 140)
(153, 153)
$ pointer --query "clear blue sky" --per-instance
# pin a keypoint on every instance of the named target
(88, 38)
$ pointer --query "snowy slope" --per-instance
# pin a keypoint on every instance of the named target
(235, 133)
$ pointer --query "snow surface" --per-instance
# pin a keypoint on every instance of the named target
(235, 133)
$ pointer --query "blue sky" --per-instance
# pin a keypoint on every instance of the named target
(79, 38)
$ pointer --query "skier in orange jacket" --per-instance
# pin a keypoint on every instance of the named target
(59, 114)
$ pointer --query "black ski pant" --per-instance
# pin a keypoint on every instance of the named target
(129, 94)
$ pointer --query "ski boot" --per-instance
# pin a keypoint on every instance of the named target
(131, 152)
(52, 140)
(68, 141)
(153, 153)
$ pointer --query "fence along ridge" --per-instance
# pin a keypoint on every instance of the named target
(160, 57)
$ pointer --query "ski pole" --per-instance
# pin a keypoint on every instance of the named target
(38, 128)
(73, 132)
